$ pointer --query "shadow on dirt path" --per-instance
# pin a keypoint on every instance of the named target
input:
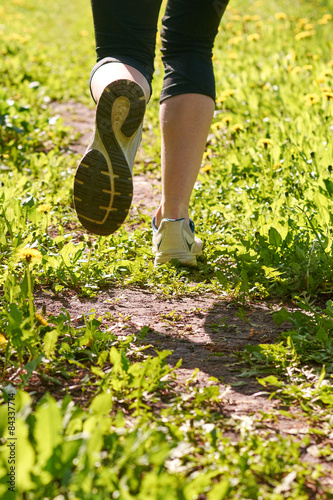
(202, 331)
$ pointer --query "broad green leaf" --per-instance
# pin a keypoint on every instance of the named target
(101, 404)
(50, 342)
(281, 316)
(275, 238)
(321, 335)
(271, 379)
(47, 429)
(321, 377)
(271, 272)
(222, 278)
(329, 186)
(219, 490)
(25, 457)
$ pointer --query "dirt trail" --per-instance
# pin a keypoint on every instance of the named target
(203, 331)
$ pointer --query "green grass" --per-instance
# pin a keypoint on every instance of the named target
(263, 207)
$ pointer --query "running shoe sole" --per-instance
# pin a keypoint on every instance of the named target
(103, 187)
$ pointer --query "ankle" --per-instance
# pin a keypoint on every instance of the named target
(170, 213)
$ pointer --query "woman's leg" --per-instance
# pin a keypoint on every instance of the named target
(185, 123)
(189, 30)
(113, 71)
(125, 34)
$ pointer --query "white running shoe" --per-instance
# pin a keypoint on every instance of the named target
(103, 185)
(175, 239)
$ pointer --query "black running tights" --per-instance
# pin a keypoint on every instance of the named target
(125, 31)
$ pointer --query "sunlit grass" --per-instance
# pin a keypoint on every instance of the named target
(263, 207)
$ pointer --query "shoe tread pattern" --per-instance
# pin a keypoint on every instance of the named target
(103, 192)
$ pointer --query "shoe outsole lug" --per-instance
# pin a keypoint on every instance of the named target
(103, 187)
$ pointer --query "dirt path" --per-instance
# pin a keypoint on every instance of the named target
(203, 331)
(191, 328)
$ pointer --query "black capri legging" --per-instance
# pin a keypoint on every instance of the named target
(125, 31)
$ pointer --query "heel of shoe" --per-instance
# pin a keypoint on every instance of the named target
(185, 258)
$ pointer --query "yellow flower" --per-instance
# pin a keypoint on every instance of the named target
(253, 37)
(232, 55)
(238, 127)
(84, 33)
(17, 37)
(228, 92)
(247, 18)
(221, 99)
(323, 76)
(302, 21)
(328, 16)
(256, 18)
(308, 67)
(29, 255)
(280, 16)
(205, 168)
(3, 341)
(296, 70)
(216, 126)
(309, 26)
(264, 142)
(235, 40)
(304, 34)
(43, 209)
(323, 21)
(236, 17)
(42, 321)
(328, 95)
(227, 119)
(311, 99)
